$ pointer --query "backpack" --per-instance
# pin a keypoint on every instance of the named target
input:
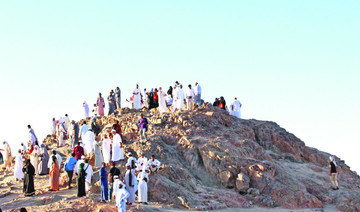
(221, 105)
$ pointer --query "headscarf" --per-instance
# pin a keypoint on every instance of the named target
(332, 159)
(81, 166)
(44, 151)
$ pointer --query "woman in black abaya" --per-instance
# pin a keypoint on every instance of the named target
(81, 181)
(29, 172)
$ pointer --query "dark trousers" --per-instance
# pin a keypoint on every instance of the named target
(70, 174)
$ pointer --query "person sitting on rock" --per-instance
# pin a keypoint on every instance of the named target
(333, 173)
(141, 162)
(153, 164)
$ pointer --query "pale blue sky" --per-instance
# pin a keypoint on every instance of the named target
(292, 62)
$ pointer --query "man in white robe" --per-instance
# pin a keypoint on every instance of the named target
(89, 173)
(67, 122)
(235, 108)
(106, 149)
(180, 98)
(117, 150)
(32, 141)
(153, 164)
(130, 182)
(18, 173)
(86, 109)
(145, 99)
(88, 141)
(143, 179)
(116, 183)
(53, 127)
(121, 196)
(62, 131)
(175, 100)
(162, 101)
(197, 94)
(131, 160)
(190, 94)
(141, 162)
(83, 129)
(23, 146)
(137, 97)
(80, 161)
(7, 155)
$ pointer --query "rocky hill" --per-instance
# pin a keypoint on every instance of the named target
(212, 160)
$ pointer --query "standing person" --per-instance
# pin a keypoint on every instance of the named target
(174, 104)
(100, 103)
(117, 147)
(7, 155)
(53, 127)
(112, 173)
(88, 140)
(141, 162)
(62, 132)
(86, 109)
(95, 126)
(106, 149)
(83, 129)
(180, 98)
(54, 174)
(44, 159)
(23, 147)
(77, 165)
(130, 181)
(190, 94)
(143, 128)
(58, 159)
(235, 108)
(143, 179)
(69, 167)
(170, 91)
(81, 181)
(32, 142)
(29, 172)
(137, 97)
(156, 98)
(34, 158)
(75, 133)
(222, 103)
(78, 151)
(111, 104)
(131, 160)
(116, 126)
(153, 164)
(162, 102)
(89, 173)
(98, 155)
(121, 196)
(216, 102)
(333, 173)
(31, 131)
(103, 183)
(67, 122)
(197, 94)
(145, 99)
(118, 97)
(18, 173)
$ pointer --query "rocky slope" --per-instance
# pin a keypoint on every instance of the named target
(212, 160)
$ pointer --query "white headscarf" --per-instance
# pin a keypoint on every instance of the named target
(332, 159)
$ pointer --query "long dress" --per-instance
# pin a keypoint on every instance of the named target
(180, 98)
(34, 158)
(162, 102)
(174, 105)
(7, 155)
(61, 132)
(18, 173)
(141, 163)
(81, 181)
(43, 164)
(54, 177)
(117, 150)
(143, 188)
(88, 141)
(100, 105)
(86, 109)
(235, 108)
(98, 155)
(130, 181)
(29, 172)
(121, 196)
(53, 127)
(106, 149)
(104, 184)
(89, 173)
(137, 98)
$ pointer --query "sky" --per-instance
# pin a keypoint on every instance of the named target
(292, 62)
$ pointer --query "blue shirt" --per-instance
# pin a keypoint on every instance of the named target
(70, 163)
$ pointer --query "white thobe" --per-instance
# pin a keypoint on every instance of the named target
(67, 123)
(80, 161)
(137, 98)
(162, 102)
(83, 130)
(116, 184)
(175, 100)
(88, 140)
(169, 100)
(153, 164)
(86, 109)
(53, 127)
(235, 108)
(129, 161)
(121, 196)
(32, 139)
(141, 162)
(89, 173)
(34, 158)
(18, 173)
(197, 89)
(129, 188)
(180, 98)
(106, 149)
(7, 155)
(143, 189)
(117, 151)
(145, 98)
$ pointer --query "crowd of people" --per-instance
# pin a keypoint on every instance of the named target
(33, 160)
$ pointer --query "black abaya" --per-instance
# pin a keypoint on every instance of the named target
(29, 172)
(81, 183)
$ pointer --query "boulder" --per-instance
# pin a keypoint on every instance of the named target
(242, 183)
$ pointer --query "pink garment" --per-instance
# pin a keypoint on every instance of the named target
(101, 104)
